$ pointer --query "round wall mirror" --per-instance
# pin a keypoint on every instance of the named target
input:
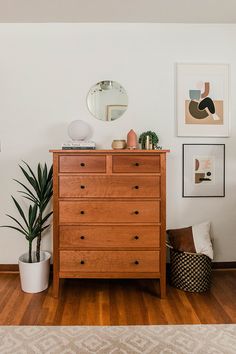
(107, 100)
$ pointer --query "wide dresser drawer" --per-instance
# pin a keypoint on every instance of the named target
(109, 261)
(82, 164)
(109, 211)
(108, 186)
(136, 164)
(105, 236)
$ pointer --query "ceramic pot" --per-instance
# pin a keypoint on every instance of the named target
(131, 140)
(34, 276)
(118, 144)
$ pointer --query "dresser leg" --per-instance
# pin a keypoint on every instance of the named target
(56, 283)
(162, 287)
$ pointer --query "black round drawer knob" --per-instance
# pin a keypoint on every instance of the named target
(136, 187)
(82, 237)
(136, 237)
(82, 212)
(136, 164)
(136, 262)
(136, 212)
(81, 262)
(82, 187)
(82, 164)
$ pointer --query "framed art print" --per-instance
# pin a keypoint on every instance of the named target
(203, 170)
(202, 99)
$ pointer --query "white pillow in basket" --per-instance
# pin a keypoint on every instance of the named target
(202, 239)
(193, 239)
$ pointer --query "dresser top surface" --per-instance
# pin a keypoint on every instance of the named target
(111, 151)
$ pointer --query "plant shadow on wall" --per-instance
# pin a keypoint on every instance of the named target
(32, 222)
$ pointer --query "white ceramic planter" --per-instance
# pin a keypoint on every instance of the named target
(34, 276)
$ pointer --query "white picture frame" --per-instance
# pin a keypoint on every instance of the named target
(203, 170)
(198, 115)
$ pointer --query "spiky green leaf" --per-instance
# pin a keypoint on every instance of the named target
(32, 181)
(40, 178)
(15, 228)
(46, 217)
(20, 211)
(32, 215)
(17, 222)
(45, 174)
(28, 196)
(45, 227)
(50, 174)
(36, 184)
(24, 186)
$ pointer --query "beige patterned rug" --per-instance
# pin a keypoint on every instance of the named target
(191, 339)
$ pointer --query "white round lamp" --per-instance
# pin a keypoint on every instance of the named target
(79, 130)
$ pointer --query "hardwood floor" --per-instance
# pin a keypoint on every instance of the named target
(117, 302)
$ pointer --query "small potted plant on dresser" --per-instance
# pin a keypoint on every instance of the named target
(34, 266)
(149, 140)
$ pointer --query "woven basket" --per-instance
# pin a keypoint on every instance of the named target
(190, 271)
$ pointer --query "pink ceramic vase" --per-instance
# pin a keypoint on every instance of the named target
(131, 140)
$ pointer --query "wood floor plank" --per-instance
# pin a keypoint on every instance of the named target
(103, 303)
(71, 303)
(184, 312)
(154, 307)
(224, 290)
(117, 302)
(32, 312)
(21, 303)
(208, 308)
(7, 286)
(135, 308)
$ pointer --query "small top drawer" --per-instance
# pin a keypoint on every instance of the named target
(82, 164)
(136, 164)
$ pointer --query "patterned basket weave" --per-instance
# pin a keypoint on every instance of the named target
(190, 271)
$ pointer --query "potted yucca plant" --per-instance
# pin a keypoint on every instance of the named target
(34, 266)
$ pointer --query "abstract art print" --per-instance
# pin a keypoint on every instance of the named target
(202, 99)
(203, 170)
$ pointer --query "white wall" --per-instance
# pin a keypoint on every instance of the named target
(46, 71)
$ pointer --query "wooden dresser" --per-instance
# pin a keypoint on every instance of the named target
(109, 215)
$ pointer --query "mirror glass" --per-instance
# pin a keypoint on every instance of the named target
(107, 100)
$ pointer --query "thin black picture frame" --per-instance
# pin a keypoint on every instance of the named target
(183, 170)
